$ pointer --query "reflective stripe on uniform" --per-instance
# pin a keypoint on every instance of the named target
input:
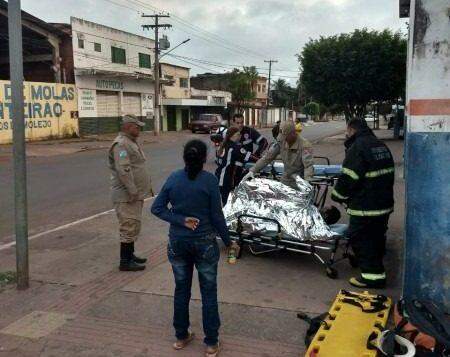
(350, 173)
(247, 156)
(338, 195)
(237, 163)
(381, 172)
(259, 139)
(245, 142)
(224, 169)
(373, 213)
(368, 276)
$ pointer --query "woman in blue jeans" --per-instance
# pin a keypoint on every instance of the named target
(195, 216)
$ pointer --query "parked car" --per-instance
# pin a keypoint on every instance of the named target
(369, 117)
(206, 123)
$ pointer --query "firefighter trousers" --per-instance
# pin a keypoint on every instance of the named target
(368, 241)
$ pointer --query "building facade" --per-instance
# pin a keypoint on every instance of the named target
(50, 98)
(221, 81)
(47, 49)
(255, 113)
(113, 75)
(182, 103)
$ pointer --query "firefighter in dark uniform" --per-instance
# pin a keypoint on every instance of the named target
(250, 136)
(366, 186)
(231, 158)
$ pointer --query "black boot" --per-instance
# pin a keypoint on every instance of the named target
(137, 259)
(126, 259)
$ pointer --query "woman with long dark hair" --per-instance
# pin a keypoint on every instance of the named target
(231, 158)
(195, 216)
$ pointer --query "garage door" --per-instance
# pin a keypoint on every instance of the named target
(132, 104)
(107, 104)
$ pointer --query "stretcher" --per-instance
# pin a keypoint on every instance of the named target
(353, 321)
(327, 253)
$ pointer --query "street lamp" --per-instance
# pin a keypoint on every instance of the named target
(182, 43)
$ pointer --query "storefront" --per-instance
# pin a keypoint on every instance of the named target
(50, 111)
(105, 96)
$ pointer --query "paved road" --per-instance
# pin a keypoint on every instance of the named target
(65, 188)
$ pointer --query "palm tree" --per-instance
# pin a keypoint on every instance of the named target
(282, 93)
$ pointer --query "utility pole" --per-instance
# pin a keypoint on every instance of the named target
(20, 168)
(156, 27)
(270, 73)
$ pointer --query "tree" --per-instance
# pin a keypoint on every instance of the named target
(241, 86)
(312, 109)
(351, 70)
(283, 95)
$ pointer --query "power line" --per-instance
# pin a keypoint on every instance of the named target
(199, 66)
(219, 64)
(197, 28)
(122, 5)
(192, 29)
(222, 65)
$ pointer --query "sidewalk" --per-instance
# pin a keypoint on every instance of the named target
(71, 146)
(79, 304)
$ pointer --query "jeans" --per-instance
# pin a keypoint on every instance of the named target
(339, 228)
(203, 253)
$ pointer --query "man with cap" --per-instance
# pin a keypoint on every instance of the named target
(295, 152)
(130, 184)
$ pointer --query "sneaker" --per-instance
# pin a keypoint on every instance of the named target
(180, 344)
(212, 351)
(363, 283)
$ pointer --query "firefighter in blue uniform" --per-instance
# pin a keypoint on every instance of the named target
(366, 186)
(231, 158)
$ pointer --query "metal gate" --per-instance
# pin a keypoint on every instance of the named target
(132, 104)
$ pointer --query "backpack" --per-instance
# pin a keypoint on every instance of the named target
(424, 324)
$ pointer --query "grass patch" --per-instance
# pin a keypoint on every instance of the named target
(7, 277)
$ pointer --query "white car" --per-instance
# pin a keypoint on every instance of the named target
(369, 118)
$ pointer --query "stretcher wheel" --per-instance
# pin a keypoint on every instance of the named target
(352, 260)
(332, 273)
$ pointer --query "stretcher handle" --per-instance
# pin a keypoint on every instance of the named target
(323, 158)
(260, 218)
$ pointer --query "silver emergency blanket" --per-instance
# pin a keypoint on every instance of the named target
(293, 209)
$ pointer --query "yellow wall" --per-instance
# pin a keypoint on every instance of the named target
(175, 91)
(50, 111)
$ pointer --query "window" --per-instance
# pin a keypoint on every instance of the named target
(264, 88)
(97, 47)
(184, 82)
(259, 88)
(80, 43)
(145, 60)
(118, 55)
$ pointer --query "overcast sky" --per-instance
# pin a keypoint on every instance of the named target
(238, 32)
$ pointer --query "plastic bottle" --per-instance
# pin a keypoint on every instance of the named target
(232, 256)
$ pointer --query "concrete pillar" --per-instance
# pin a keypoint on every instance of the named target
(54, 41)
(427, 154)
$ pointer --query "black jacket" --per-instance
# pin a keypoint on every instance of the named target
(230, 165)
(367, 181)
(250, 136)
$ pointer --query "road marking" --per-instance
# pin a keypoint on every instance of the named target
(65, 226)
